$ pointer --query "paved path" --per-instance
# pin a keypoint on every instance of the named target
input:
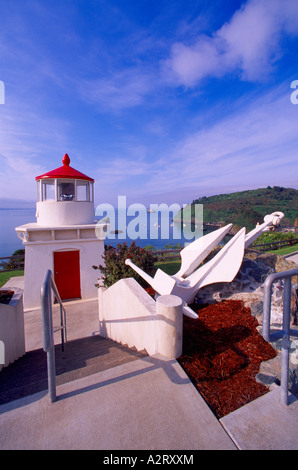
(148, 403)
(293, 257)
(145, 404)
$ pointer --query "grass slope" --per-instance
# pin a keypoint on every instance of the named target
(246, 208)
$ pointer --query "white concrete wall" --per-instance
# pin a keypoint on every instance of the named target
(55, 214)
(12, 331)
(128, 315)
(39, 258)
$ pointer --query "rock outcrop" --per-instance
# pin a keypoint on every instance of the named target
(248, 286)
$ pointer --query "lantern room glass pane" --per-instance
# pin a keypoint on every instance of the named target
(83, 191)
(39, 197)
(66, 190)
(48, 190)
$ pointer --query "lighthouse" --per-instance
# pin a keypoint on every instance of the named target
(63, 238)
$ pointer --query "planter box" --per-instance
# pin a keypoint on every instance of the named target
(12, 332)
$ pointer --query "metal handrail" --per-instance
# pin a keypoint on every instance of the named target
(48, 330)
(286, 331)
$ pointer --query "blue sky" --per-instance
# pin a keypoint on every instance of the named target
(162, 101)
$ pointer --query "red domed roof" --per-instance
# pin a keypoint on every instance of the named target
(65, 171)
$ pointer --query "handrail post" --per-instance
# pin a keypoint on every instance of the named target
(47, 334)
(286, 343)
(51, 356)
(51, 374)
(63, 331)
(48, 331)
(286, 331)
(284, 380)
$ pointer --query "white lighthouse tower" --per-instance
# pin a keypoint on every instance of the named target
(63, 238)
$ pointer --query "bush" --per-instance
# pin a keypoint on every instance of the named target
(268, 237)
(115, 268)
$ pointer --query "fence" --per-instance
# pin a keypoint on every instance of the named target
(166, 255)
(13, 263)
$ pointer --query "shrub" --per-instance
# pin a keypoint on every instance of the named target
(268, 237)
(114, 267)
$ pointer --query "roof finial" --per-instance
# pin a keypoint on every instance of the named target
(66, 160)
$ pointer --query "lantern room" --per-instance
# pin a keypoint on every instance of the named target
(65, 196)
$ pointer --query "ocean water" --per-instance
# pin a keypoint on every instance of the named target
(9, 219)
(156, 232)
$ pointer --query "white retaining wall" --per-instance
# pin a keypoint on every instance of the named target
(129, 315)
(12, 332)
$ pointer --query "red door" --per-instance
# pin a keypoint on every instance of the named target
(67, 274)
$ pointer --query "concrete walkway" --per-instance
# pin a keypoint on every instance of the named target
(147, 404)
(264, 424)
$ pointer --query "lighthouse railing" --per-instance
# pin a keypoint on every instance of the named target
(48, 329)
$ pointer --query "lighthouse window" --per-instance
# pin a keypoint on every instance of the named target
(91, 191)
(83, 191)
(48, 190)
(66, 190)
(39, 197)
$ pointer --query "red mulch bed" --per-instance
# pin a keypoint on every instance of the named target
(222, 352)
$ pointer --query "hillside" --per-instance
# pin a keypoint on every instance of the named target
(246, 208)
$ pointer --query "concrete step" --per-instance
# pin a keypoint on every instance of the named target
(133, 348)
(81, 357)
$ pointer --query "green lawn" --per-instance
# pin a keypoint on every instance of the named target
(5, 276)
(169, 267)
(286, 250)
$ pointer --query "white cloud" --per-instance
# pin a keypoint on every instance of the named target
(124, 89)
(251, 38)
(47, 79)
(191, 64)
(248, 43)
(252, 146)
(255, 145)
(26, 138)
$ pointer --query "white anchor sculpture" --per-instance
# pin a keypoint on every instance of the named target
(223, 267)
